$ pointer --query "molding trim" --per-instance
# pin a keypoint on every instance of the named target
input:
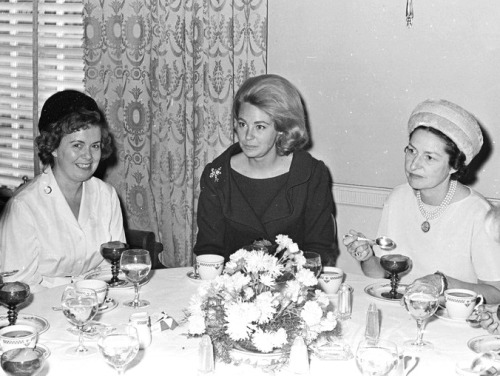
(366, 196)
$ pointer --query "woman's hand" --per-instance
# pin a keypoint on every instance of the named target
(431, 279)
(361, 250)
(488, 318)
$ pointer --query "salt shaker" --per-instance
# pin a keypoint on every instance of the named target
(142, 323)
(206, 356)
(344, 301)
(372, 330)
(299, 358)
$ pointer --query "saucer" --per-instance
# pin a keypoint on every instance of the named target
(39, 323)
(193, 276)
(442, 313)
(108, 305)
(375, 290)
(484, 344)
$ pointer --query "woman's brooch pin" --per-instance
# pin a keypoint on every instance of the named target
(214, 174)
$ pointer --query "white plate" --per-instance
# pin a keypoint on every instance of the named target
(193, 277)
(39, 323)
(375, 290)
(485, 343)
(105, 275)
(442, 313)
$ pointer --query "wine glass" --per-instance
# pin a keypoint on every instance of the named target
(376, 358)
(13, 294)
(421, 301)
(119, 346)
(136, 264)
(394, 264)
(112, 252)
(79, 305)
(24, 361)
(313, 262)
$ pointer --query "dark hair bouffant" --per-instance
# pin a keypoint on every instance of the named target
(457, 157)
(66, 112)
(278, 98)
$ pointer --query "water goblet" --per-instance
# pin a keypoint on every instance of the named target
(79, 305)
(119, 346)
(313, 263)
(421, 301)
(136, 264)
(376, 358)
(394, 264)
(112, 252)
(22, 362)
(12, 294)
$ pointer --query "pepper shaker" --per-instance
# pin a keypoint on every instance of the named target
(206, 356)
(372, 330)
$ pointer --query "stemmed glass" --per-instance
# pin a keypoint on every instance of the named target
(313, 263)
(376, 358)
(394, 264)
(112, 252)
(23, 361)
(119, 346)
(12, 294)
(421, 301)
(79, 305)
(136, 264)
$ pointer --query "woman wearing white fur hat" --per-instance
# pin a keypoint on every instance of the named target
(434, 219)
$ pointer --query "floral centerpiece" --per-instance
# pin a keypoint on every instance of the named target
(264, 299)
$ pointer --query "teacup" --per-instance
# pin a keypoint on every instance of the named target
(209, 266)
(18, 336)
(461, 302)
(330, 279)
(100, 288)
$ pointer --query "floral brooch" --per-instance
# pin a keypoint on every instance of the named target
(214, 174)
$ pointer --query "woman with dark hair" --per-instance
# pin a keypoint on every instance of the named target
(265, 184)
(53, 227)
(435, 220)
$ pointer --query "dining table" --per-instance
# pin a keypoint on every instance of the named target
(173, 352)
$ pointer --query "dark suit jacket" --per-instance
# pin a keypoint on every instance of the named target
(302, 210)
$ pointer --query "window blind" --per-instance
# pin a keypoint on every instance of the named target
(41, 52)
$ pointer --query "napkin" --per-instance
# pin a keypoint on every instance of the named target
(162, 321)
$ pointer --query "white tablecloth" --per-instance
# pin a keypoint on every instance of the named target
(173, 353)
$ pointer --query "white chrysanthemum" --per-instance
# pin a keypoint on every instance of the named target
(239, 280)
(195, 305)
(248, 293)
(292, 290)
(267, 341)
(293, 248)
(283, 242)
(299, 259)
(329, 322)
(239, 255)
(266, 304)
(239, 318)
(230, 267)
(267, 280)
(256, 262)
(196, 324)
(306, 277)
(322, 298)
(311, 313)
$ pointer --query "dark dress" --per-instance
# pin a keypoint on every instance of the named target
(301, 208)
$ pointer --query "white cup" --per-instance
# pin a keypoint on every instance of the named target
(209, 266)
(100, 287)
(461, 302)
(18, 336)
(330, 279)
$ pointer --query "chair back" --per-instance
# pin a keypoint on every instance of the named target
(146, 240)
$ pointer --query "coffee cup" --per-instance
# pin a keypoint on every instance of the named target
(18, 336)
(100, 287)
(209, 266)
(330, 279)
(461, 302)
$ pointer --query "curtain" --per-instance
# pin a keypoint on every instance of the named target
(165, 73)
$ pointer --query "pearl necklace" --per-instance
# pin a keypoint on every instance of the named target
(426, 226)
